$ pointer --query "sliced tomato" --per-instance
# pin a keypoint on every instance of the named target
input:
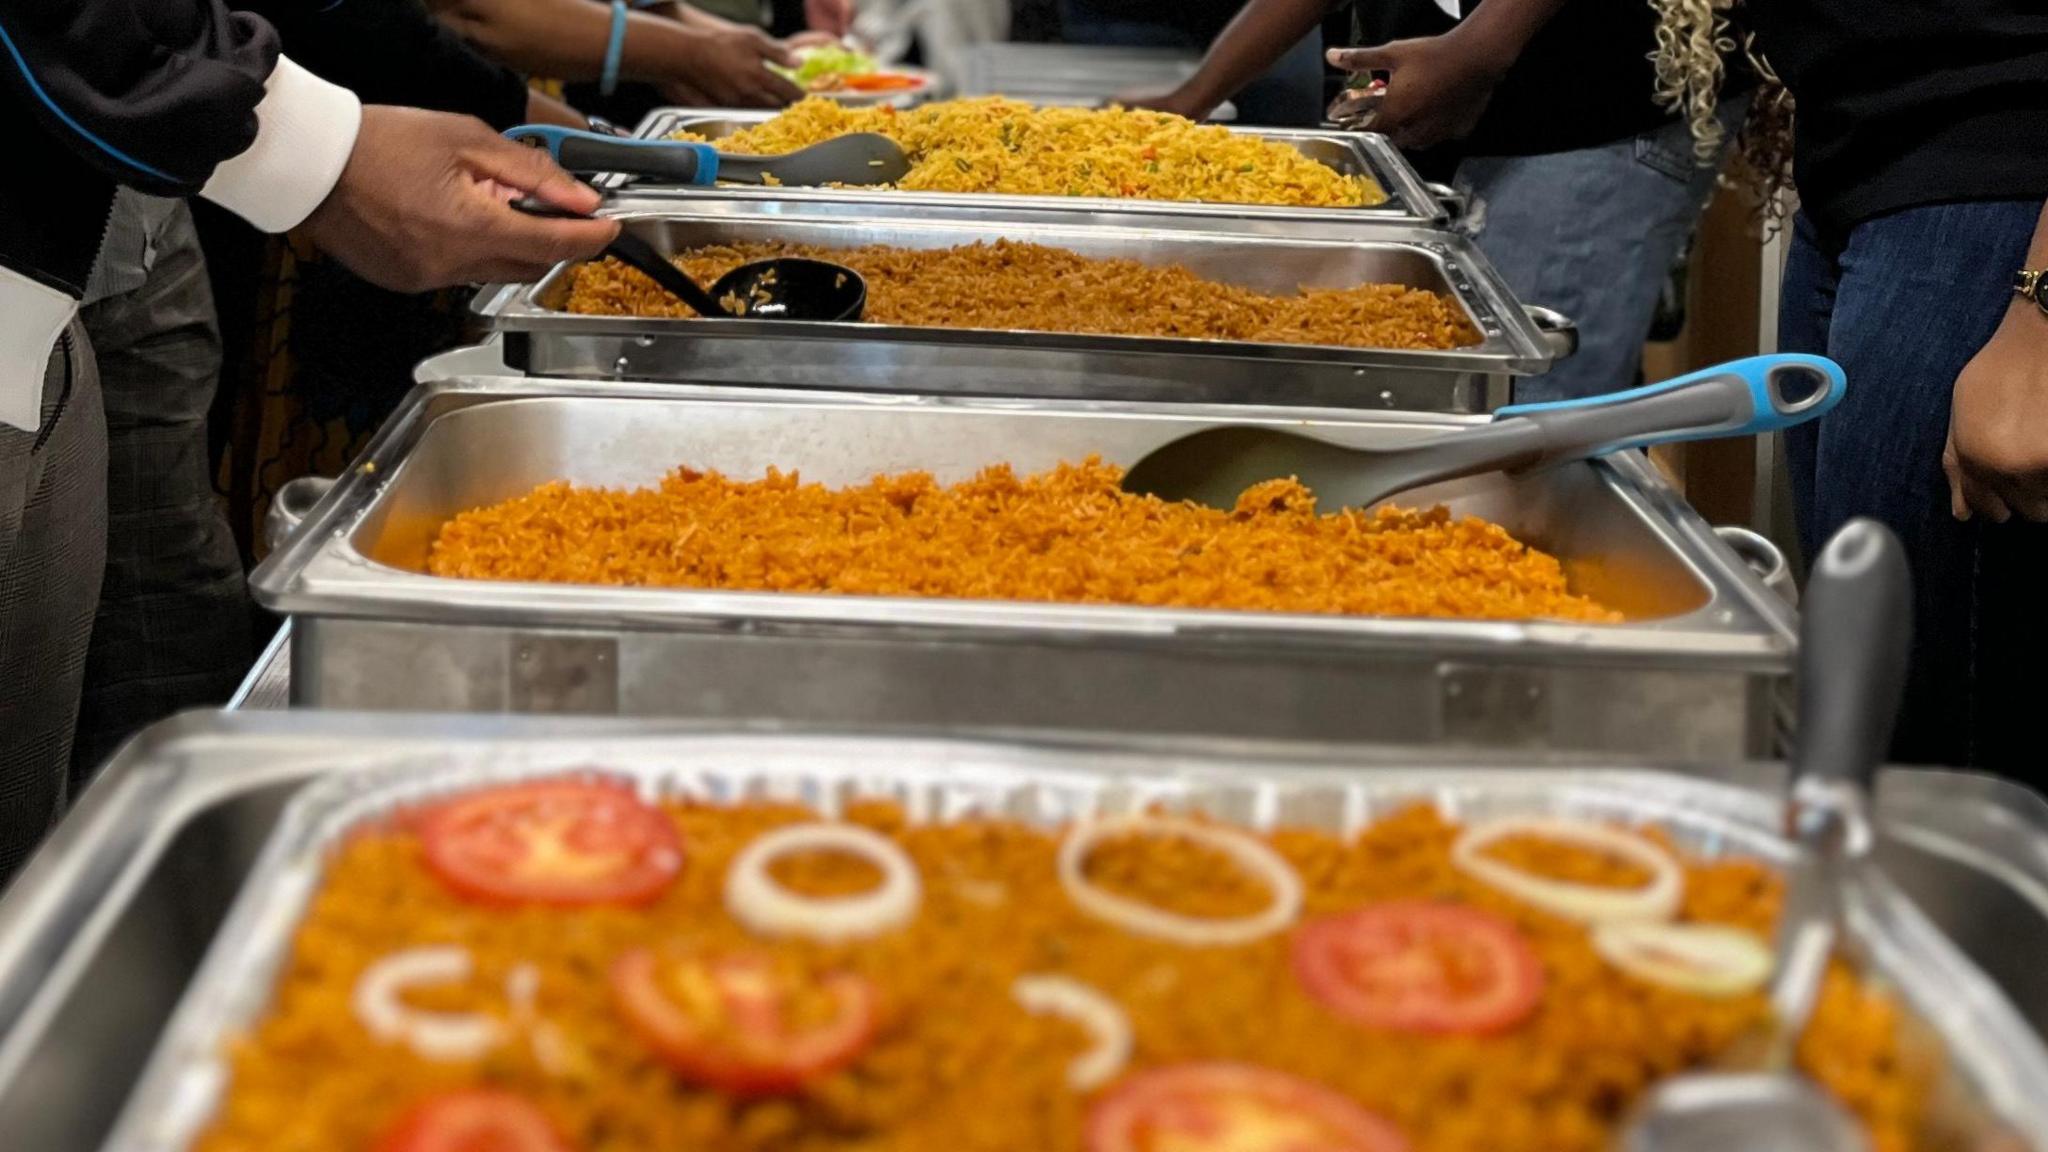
(881, 82)
(556, 842)
(1420, 967)
(744, 1023)
(1232, 1108)
(478, 1120)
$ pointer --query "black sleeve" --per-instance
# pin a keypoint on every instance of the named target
(155, 93)
(394, 52)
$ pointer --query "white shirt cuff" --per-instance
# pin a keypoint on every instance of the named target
(306, 129)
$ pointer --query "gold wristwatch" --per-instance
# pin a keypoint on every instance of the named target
(2034, 286)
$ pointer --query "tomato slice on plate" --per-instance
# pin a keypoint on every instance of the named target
(477, 1120)
(1420, 967)
(745, 1023)
(1232, 1108)
(557, 842)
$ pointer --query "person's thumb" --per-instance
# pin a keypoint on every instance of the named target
(1384, 58)
(533, 173)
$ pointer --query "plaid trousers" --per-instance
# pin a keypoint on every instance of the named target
(174, 627)
(53, 536)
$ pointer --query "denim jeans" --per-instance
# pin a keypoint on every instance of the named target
(1288, 95)
(1903, 302)
(1592, 233)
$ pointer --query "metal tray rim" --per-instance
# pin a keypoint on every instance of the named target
(1510, 339)
(1980, 1029)
(1409, 196)
(286, 583)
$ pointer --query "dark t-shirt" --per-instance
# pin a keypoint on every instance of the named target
(1585, 78)
(1909, 102)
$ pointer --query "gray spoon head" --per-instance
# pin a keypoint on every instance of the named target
(1745, 1112)
(860, 158)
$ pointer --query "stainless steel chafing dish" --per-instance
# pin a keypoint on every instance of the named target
(104, 935)
(544, 339)
(1351, 153)
(1693, 674)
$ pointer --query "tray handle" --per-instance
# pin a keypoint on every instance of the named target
(289, 508)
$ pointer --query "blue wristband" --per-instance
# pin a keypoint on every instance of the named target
(615, 47)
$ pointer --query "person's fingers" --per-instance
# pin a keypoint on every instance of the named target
(1376, 59)
(772, 50)
(1983, 500)
(531, 240)
(533, 172)
(2024, 495)
(1958, 498)
(778, 90)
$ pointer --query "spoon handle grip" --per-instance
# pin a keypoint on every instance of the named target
(1854, 628)
(680, 161)
(1740, 398)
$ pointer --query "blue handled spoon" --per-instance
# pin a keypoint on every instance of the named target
(858, 158)
(1739, 398)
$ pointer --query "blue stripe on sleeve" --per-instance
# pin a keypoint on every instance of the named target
(65, 117)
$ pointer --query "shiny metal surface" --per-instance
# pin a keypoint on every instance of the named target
(545, 340)
(1352, 153)
(1690, 675)
(103, 933)
(1069, 74)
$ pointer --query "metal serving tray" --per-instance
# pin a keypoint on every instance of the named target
(545, 340)
(1996, 1097)
(1351, 153)
(102, 933)
(1692, 675)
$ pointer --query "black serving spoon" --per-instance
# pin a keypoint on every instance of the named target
(785, 288)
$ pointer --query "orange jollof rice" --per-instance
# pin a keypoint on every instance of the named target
(1068, 535)
(957, 1065)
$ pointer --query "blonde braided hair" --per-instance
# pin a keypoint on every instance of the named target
(1694, 37)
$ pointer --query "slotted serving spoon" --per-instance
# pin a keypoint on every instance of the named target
(1852, 672)
(858, 158)
(1739, 398)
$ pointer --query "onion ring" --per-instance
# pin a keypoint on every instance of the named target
(1586, 903)
(1049, 995)
(1250, 854)
(378, 1002)
(763, 905)
(1706, 959)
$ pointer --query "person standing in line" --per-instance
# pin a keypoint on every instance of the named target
(173, 98)
(1583, 185)
(1919, 143)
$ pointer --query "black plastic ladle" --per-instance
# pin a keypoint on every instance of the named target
(785, 288)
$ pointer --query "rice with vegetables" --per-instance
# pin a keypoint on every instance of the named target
(991, 144)
(1031, 287)
(1004, 1004)
(1069, 535)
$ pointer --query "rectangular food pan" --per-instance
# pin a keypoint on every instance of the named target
(544, 339)
(1992, 1097)
(101, 935)
(1350, 153)
(1692, 673)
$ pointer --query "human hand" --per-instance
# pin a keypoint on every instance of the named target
(1997, 453)
(832, 17)
(728, 65)
(1437, 86)
(1176, 101)
(425, 202)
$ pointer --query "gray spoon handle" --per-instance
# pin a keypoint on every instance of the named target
(1740, 398)
(1853, 644)
(1853, 640)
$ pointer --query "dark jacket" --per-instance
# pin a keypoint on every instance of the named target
(154, 94)
(148, 93)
